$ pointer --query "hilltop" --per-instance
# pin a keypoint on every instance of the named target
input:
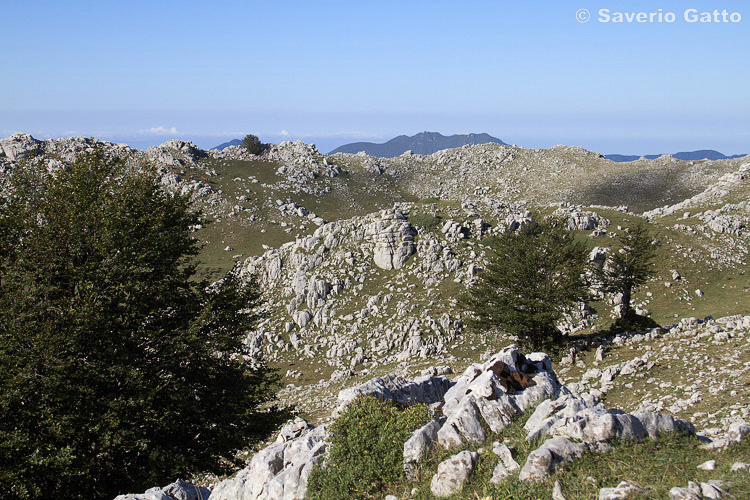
(424, 143)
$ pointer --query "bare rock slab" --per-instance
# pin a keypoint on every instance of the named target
(453, 473)
(542, 462)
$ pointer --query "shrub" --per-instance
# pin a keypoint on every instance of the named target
(252, 144)
(428, 221)
(366, 448)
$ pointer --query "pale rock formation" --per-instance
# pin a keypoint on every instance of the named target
(452, 473)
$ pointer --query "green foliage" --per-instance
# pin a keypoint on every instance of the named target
(118, 370)
(252, 144)
(427, 221)
(365, 454)
(631, 266)
(535, 275)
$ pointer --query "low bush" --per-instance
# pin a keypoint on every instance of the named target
(428, 221)
(365, 453)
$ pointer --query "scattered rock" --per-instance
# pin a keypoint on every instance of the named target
(452, 473)
(293, 430)
(179, 490)
(625, 489)
(505, 466)
(418, 444)
(543, 461)
(713, 492)
(678, 493)
(738, 431)
(557, 492)
(708, 465)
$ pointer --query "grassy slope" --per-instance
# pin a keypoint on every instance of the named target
(357, 192)
(656, 466)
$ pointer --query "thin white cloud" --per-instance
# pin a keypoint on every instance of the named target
(343, 133)
(160, 130)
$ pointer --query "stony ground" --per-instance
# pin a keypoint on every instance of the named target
(696, 370)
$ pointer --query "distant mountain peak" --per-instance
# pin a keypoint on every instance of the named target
(233, 142)
(423, 143)
(701, 154)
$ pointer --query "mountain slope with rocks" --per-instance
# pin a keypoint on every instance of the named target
(361, 261)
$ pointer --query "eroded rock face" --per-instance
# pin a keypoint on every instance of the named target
(487, 394)
(18, 147)
(452, 473)
(426, 389)
(278, 472)
(588, 422)
(418, 445)
(578, 219)
(175, 153)
(179, 490)
(543, 461)
(463, 425)
(394, 243)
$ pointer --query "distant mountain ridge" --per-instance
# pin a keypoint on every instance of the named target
(702, 154)
(233, 142)
(423, 143)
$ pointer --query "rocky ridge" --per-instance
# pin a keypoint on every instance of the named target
(495, 392)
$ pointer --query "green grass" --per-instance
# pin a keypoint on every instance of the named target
(657, 466)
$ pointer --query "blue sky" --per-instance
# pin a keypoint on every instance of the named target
(331, 72)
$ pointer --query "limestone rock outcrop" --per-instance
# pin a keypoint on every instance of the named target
(394, 239)
(452, 473)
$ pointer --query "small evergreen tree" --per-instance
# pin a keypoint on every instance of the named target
(252, 144)
(534, 276)
(630, 267)
(118, 370)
